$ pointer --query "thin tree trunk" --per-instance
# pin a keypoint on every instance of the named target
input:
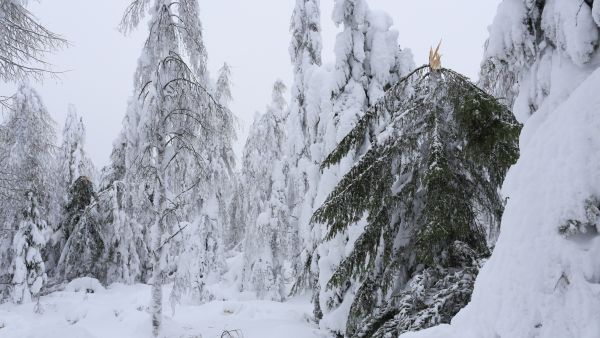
(157, 276)
(156, 300)
(157, 273)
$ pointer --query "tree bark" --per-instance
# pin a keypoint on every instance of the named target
(159, 200)
(156, 302)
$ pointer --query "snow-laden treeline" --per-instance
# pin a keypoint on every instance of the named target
(326, 102)
(37, 176)
(159, 212)
(169, 208)
(374, 187)
(388, 231)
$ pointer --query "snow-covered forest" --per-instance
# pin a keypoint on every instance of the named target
(377, 195)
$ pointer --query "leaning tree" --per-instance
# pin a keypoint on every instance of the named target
(183, 134)
(428, 192)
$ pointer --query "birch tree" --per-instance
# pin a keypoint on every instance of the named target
(24, 43)
(183, 133)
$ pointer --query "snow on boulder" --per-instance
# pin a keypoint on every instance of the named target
(543, 279)
(87, 284)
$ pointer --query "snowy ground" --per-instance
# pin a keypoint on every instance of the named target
(122, 311)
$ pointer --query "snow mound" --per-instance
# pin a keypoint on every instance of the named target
(540, 282)
(87, 284)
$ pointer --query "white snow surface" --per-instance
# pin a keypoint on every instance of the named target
(538, 282)
(122, 311)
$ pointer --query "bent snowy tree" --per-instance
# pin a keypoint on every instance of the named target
(182, 147)
(428, 188)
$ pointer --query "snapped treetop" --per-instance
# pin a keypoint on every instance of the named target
(435, 58)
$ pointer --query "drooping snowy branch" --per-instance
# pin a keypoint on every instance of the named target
(24, 43)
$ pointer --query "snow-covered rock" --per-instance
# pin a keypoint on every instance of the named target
(84, 284)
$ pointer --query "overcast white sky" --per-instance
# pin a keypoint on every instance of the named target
(252, 36)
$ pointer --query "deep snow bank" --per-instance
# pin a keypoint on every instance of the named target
(539, 282)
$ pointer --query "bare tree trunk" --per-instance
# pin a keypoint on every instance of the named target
(159, 199)
(156, 300)
(157, 275)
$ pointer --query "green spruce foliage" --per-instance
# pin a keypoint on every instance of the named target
(438, 151)
(81, 194)
(82, 254)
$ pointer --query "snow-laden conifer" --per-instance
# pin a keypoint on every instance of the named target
(125, 249)
(72, 163)
(223, 87)
(303, 123)
(29, 155)
(29, 274)
(73, 160)
(82, 255)
(269, 242)
(368, 61)
(305, 52)
(533, 43)
(28, 166)
(424, 190)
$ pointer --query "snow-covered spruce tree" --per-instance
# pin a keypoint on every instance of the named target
(268, 239)
(368, 61)
(126, 252)
(302, 125)
(29, 275)
(84, 247)
(236, 223)
(27, 165)
(181, 157)
(237, 215)
(28, 155)
(73, 160)
(25, 42)
(223, 88)
(305, 51)
(533, 43)
(548, 246)
(425, 188)
(72, 163)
